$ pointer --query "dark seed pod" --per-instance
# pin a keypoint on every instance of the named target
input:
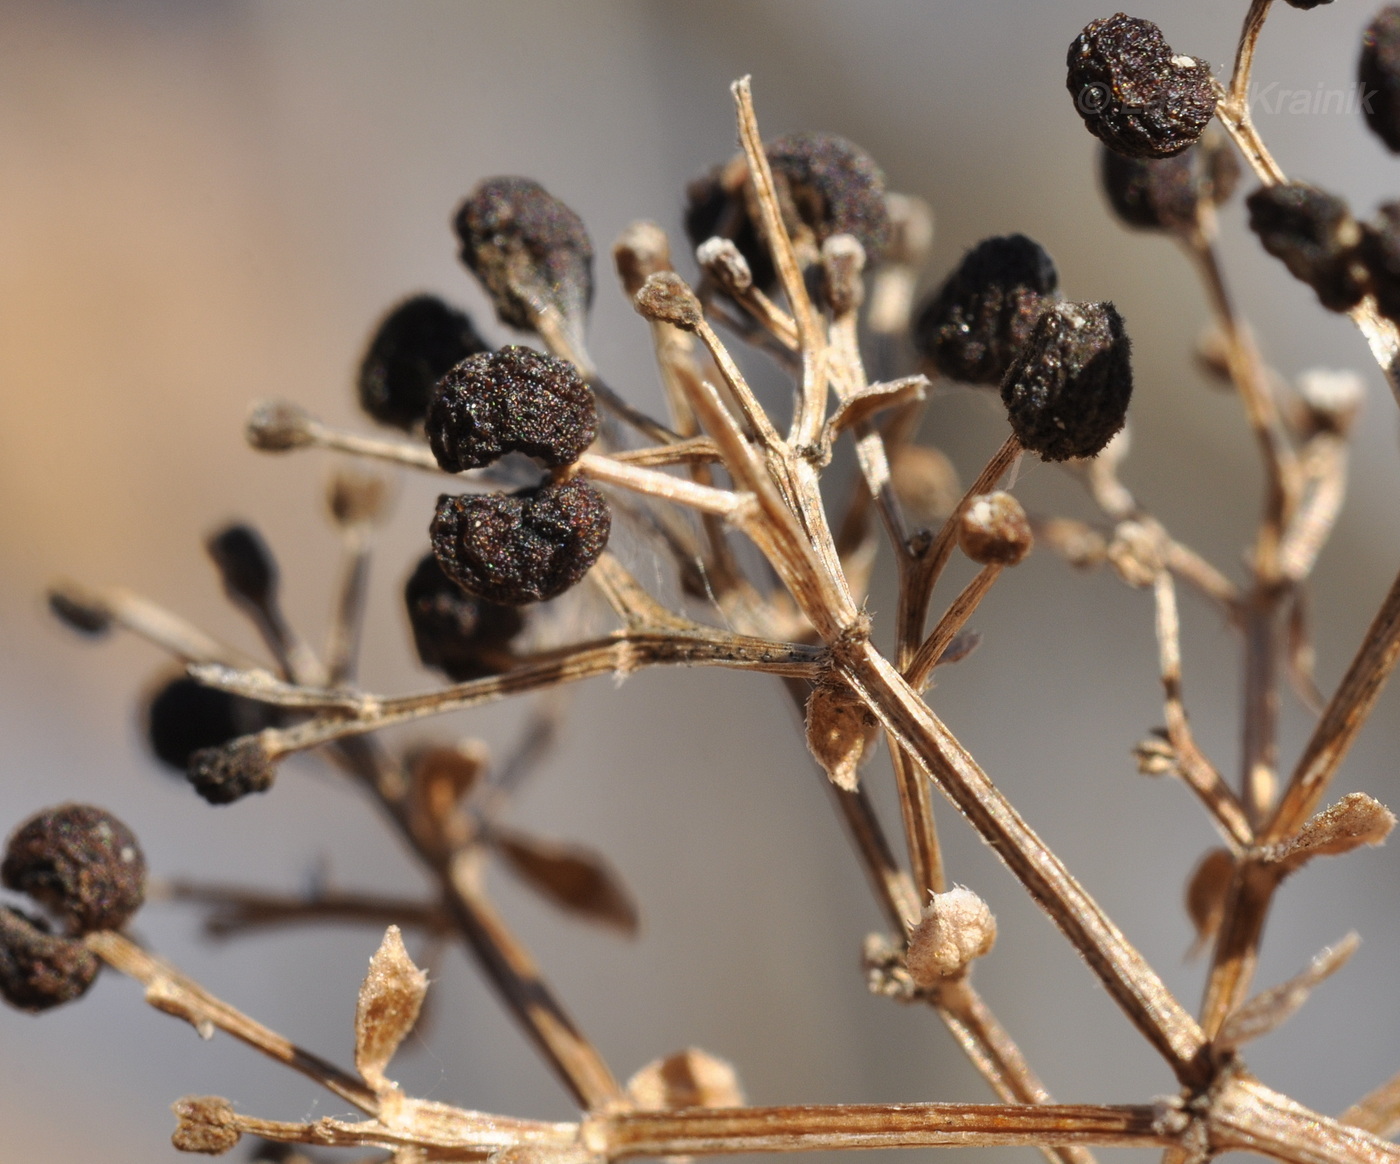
(1315, 235)
(826, 185)
(516, 400)
(1380, 253)
(456, 633)
(1068, 391)
(78, 612)
(1167, 193)
(973, 326)
(185, 716)
(232, 771)
(81, 864)
(1379, 73)
(245, 564)
(1306, 4)
(1134, 94)
(413, 347)
(529, 250)
(40, 970)
(521, 547)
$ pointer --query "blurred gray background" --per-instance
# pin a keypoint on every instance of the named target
(202, 203)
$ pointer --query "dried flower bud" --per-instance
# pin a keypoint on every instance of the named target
(454, 632)
(1068, 391)
(1167, 193)
(516, 400)
(413, 347)
(642, 250)
(530, 251)
(1315, 235)
(1380, 254)
(1134, 94)
(81, 864)
(185, 716)
(232, 771)
(841, 733)
(925, 481)
(80, 612)
(667, 298)
(725, 264)
(205, 1124)
(39, 970)
(1378, 71)
(1332, 399)
(975, 324)
(993, 530)
(956, 928)
(245, 564)
(1155, 756)
(275, 426)
(843, 264)
(522, 547)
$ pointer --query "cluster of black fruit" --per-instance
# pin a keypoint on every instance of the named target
(84, 869)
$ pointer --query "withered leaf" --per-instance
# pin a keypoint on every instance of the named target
(872, 400)
(689, 1078)
(390, 999)
(1354, 821)
(1273, 1007)
(575, 878)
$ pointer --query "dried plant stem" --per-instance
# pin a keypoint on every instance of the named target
(343, 641)
(157, 625)
(920, 667)
(1234, 112)
(235, 910)
(1378, 1112)
(170, 991)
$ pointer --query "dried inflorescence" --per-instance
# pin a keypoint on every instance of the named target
(1134, 94)
(516, 400)
(521, 547)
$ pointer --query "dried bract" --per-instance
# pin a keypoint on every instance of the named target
(957, 927)
(1068, 391)
(81, 864)
(516, 400)
(40, 970)
(841, 733)
(993, 530)
(390, 998)
(413, 347)
(578, 880)
(1315, 235)
(462, 636)
(1206, 891)
(974, 325)
(530, 251)
(1378, 71)
(1134, 94)
(521, 547)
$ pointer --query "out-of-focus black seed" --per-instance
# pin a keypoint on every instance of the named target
(972, 327)
(185, 716)
(40, 970)
(462, 636)
(515, 400)
(413, 347)
(528, 249)
(1378, 70)
(87, 617)
(715, 207)
(81, 864)
(1134, 94)
(1380, 252)
(1315, 235)
(1306, 4)
(1068, 391)
(521, 547)
(1166, 193)
(232, 771)
(245, 564)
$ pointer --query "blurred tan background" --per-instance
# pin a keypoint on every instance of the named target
(202, 203)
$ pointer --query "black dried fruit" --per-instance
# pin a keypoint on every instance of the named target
(85, 615)
(232, 771)
(826, 185)
(462, 636)
(1378, 70)
(1306, 4)
(521, 547)
(1068, 391)
(185, 716)
(39, 970)
(529, 250)
(1315, 235)
(1166, 193)
(972, 327)
(1134, 94)
(1380, 253)
(515, 400)
(81, 864)
(413, 347)
(245, 564)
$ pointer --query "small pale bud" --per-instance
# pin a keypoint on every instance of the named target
(665, 298)
(725, 263)
(642, 250)
(843, 264)
(840, 733)
(993, 530)
(205, 1124)
(956, 928)
(274, 426)
(1332, 399)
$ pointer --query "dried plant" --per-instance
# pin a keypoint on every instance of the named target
(797, 243)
